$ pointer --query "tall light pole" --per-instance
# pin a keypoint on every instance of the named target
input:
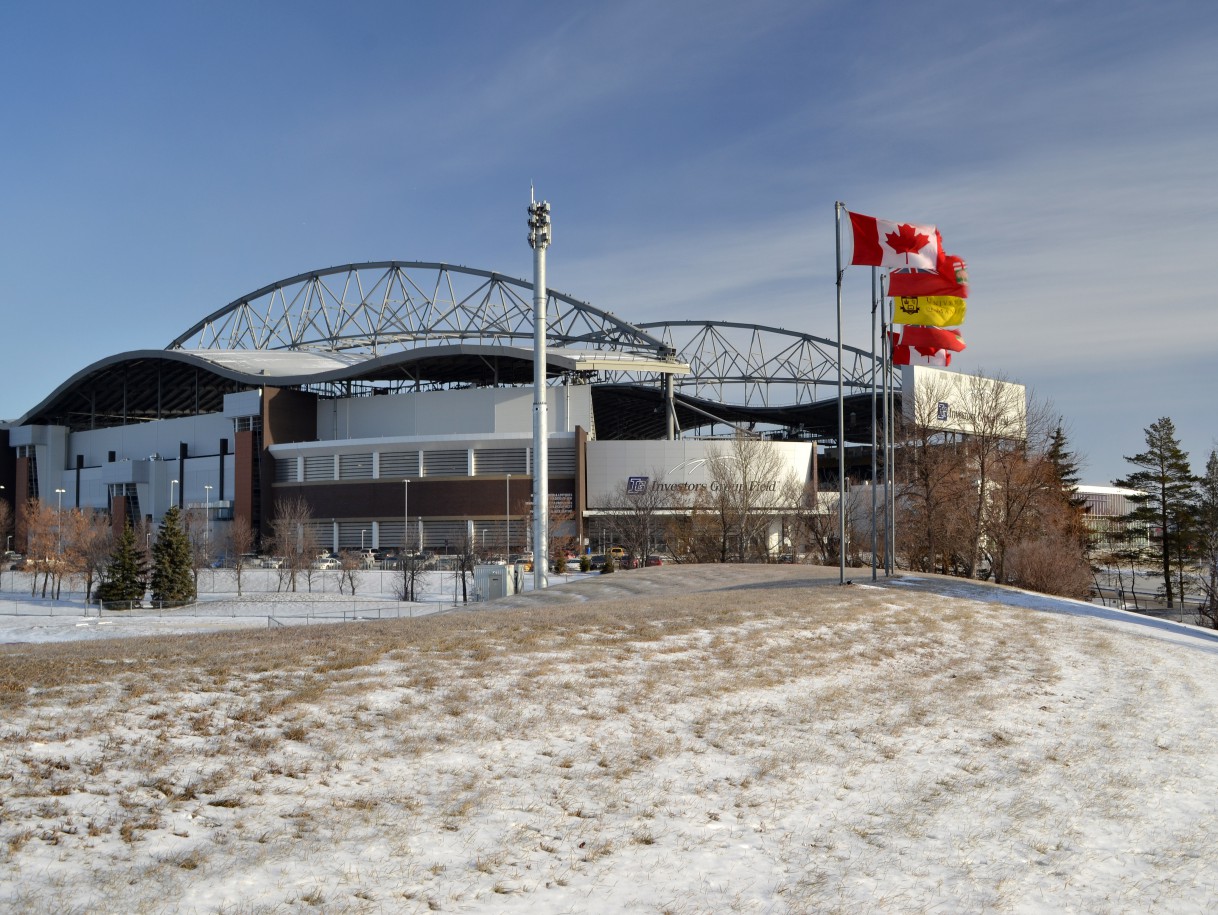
(361, 539)
(173, 485)
(407, 573)
(59, 517)
(207, 519)
(539, 240)
(507, 515)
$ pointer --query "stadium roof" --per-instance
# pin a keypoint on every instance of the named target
(400, 326)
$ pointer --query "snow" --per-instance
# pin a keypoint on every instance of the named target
(705, 739)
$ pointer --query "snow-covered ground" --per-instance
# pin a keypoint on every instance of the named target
(264, 603)
(684, 739)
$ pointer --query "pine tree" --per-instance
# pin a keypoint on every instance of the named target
(1065, 462)
(125, 575)
(172, 567)
(1168, 504)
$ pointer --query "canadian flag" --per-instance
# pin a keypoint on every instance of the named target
(884, 243)
(950, 277)
(907, 355)
(930, 339)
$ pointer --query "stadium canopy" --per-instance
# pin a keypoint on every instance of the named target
(397, 326)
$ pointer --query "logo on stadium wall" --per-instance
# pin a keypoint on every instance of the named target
(942, 412)
(636, 485)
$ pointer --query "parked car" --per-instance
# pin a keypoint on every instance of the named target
(326, 562)
(596, 562)
(654, 561)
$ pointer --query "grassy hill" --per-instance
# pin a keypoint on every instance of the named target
(682, 739)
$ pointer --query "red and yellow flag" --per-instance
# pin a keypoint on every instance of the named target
(928, 310)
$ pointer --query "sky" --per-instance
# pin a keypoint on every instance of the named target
(161, 160)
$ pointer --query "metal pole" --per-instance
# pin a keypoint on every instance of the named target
(207, 520)
(407, 578)
(539, 240)
(874, 304)
(507, 515)
(59, 518)
(838, 207)
(892, 450)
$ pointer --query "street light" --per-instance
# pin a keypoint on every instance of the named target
(507, 514)
(407, 577)
(59, 517)
(361, 539)
(207, 519)
(172, 485)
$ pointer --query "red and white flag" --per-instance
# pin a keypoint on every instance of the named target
(928, 340)
(906, 355)
(949, 278)
(884, 243)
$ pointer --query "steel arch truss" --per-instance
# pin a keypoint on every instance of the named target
(393, 305)
(754, 365)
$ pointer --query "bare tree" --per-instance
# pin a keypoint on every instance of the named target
(6, 521)
(635, 520)
(406, 587)
(466, 559)
(88, 542)
(350, 563)
(745, 496)
(194, 523)
(814, 523)
(42, 545)
(240, 544)
(293, 539)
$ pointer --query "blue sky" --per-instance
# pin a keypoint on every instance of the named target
(162, 159)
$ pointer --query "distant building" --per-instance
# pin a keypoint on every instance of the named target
(1106, 508)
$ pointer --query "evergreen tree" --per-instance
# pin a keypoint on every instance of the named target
(1065, 462)
(1167, 506)
(173, 578)
(125, 575)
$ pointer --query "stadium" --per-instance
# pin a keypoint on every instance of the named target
(395, 399)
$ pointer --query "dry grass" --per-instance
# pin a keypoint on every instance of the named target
(534, 744)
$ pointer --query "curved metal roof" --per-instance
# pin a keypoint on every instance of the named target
(402, 325)
(144, 385)
(371, 307)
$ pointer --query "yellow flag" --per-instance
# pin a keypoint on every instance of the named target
(928, 310)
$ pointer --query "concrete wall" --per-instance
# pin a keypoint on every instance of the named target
(474, 411)
(610, 465)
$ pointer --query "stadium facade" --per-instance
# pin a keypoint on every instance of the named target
(395, 399)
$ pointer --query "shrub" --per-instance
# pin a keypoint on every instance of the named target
(1050, 565)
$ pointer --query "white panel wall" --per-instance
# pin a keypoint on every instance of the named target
(475, 411)
(612, 463)
(202, 435)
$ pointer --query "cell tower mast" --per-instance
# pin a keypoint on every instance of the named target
(539, 240)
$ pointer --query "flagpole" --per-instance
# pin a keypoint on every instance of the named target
(890, 496)
(886, 359)
(841, 408)
(874, 303)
